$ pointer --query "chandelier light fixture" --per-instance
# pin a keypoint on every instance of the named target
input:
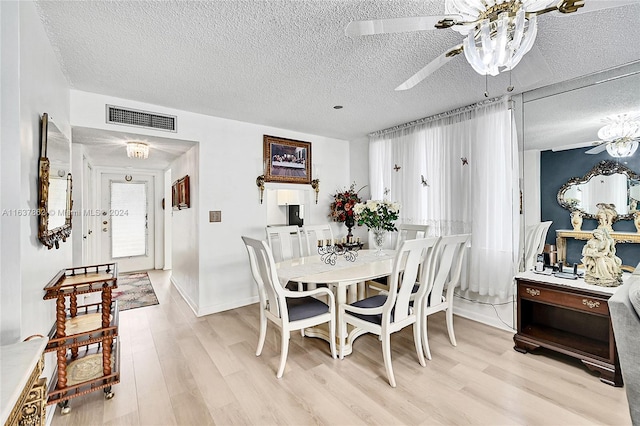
(137, 150)
(501, 31)
(621, 134)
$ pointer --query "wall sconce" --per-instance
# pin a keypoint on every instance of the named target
(260, 184)
(315, 184)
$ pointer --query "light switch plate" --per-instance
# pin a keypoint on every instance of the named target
(215, 216)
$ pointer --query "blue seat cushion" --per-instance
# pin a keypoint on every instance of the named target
(305, 307)
(370, 302)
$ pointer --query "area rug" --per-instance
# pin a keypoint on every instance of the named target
(134, 291)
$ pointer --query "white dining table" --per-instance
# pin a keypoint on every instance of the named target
(340, 277)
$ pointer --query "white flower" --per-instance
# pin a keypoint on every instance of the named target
(372, 205)
(358, 208)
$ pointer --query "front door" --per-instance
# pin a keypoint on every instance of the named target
(126, 221)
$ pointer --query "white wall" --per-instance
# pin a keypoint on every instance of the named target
(229, 160)
(185, 250)
(531, 187)
(32, 83)
(43, 88)
(10, 241)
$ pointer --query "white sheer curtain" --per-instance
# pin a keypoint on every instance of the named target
(458, 173)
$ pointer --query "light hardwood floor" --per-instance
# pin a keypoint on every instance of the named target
(179, 369)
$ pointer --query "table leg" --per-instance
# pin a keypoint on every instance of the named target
(362, 290)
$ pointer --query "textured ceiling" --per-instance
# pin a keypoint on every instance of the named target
(287, 63)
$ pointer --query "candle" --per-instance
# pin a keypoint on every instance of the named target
(328, 243)
(319, 243)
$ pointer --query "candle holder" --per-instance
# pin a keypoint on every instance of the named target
(260, 184)
(315, 184)
(329, 253)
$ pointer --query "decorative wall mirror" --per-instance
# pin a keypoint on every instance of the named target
(608, 182)
(54, 186)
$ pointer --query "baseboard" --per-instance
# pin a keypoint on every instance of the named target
(190, 302)
(213, 309)
(485, 314)
(50, 410)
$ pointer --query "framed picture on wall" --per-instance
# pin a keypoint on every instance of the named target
(180, 193)
(286, 160)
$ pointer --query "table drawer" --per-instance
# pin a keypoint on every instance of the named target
(587, 303)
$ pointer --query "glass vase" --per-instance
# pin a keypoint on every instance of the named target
(379, 236)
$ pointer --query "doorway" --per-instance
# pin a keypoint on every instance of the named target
(127, 221)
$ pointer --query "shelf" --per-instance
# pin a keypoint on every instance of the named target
(85, 374)
(82, 280)
(570, 342)
(88, 327)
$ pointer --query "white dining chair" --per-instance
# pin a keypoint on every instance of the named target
(408, 231)
(314, 233)
(534, 240)
(384, 314)
(405, 232)
(288, 310)
(447, 268)
(285, 242)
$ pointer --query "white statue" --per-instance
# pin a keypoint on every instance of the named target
(606, 215)
(600, 260)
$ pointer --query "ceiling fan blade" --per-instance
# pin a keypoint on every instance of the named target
(400, 25)
(598, 149)
(431, 68)
(594, 5)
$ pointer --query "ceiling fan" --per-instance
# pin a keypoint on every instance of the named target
(498, 32)
(619, 136)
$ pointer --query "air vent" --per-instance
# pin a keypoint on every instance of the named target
(132, 117)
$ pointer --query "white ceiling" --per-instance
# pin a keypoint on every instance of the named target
(287, 63)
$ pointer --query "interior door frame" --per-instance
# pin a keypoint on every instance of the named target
(156, 210)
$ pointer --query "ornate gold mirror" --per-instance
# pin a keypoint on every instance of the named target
(608, 182)
(54, 186)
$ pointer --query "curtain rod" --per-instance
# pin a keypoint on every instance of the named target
(435, 117)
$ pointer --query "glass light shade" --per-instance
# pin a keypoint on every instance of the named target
(503, 37)
(622, 148)
(137, 150)
(620, 126)
(500, 44)
(622, 133)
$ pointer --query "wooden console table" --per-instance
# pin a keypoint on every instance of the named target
(570, 317)
(618, 237)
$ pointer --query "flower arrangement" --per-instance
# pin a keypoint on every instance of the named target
(343, 203)
(377, 214)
